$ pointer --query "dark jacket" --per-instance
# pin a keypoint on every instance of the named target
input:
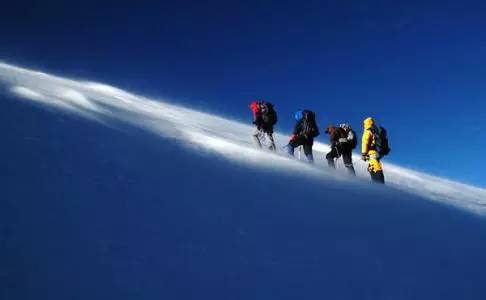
(258, 118)
(261, 114)
(335, 134)
(298, 127)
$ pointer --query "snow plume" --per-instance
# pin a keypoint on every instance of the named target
(203, 131)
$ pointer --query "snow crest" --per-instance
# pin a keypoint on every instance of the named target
(210, 133)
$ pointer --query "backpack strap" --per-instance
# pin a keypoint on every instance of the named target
(373, 139)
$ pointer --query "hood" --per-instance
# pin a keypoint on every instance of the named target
(299, 115)
(368, 122)
(254, 106)
(330, 129)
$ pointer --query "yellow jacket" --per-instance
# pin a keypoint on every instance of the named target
(368, 139)
(368, 146)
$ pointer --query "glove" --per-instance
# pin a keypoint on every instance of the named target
(364, 156)
(292, 137)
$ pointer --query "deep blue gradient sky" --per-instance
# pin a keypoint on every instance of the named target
(417, 66)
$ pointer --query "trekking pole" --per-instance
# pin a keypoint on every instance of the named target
(300, 150)
(336, 159)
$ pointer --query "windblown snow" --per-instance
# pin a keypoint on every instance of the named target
(199, 130)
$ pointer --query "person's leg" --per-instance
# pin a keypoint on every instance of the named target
(268, 134)
(376, 171)
(377, 177)
(296, 142)
(272, 141)
(308, 152)
(348, 162)
(331, 156)
(256, 138)
(290, 150)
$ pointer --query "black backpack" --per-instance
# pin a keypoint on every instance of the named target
(309, 125)
(381, 141)
(350, 135)
(269, 114)
(352, 139)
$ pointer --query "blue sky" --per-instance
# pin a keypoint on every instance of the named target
(418, 67)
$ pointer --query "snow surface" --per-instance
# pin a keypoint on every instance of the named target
(198, 130)
(178, 208)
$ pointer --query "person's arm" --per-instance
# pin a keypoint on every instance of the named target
(258, 119)
(350, 136)
(333, 138)
(297, 128)
(365, 143)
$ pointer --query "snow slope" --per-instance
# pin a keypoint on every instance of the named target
(195, 129)
(185, 210)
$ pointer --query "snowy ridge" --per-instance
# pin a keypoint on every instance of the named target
(198, 130)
